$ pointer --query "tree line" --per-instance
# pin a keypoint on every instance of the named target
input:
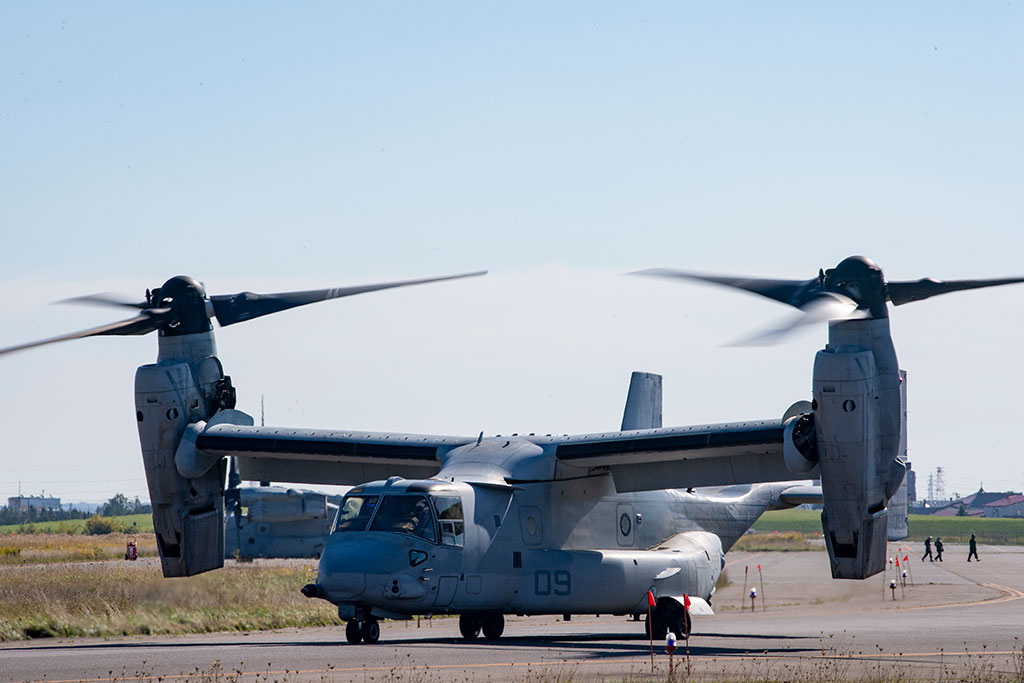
(117, 506)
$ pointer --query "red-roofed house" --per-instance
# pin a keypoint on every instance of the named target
(1010, 506)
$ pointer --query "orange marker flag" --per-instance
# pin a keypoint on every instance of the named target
(650, 599)
(897, 561)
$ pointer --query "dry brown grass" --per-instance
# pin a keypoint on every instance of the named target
(776, 541)
(47, 590)
(41, 548)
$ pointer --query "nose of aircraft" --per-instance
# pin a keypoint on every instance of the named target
(344, 567)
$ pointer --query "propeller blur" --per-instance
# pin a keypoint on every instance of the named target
(853, 289)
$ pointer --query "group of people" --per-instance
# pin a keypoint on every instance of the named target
(972, 549)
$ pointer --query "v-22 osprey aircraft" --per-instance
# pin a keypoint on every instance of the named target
(486, 526)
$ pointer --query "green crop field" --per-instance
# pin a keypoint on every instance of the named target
(951, 529)
(144, 523)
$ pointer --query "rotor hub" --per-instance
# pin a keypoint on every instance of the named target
(860, 279)
(186, 297)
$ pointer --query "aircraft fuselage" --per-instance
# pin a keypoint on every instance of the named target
(555, 547)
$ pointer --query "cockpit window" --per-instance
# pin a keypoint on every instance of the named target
(449, 515)
(407, 515)
(355, 513)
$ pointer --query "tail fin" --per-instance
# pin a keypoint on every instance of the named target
(643, 402)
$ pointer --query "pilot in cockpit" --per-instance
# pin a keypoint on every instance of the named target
(418, 520)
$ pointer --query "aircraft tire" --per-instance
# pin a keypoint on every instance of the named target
(352, 633)
(469, 626)
(493, 625)
(660, 626)
(370, 631)
(679, 623)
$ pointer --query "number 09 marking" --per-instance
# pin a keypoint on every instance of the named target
(558, 582)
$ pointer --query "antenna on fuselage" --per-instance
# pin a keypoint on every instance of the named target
(479, 438)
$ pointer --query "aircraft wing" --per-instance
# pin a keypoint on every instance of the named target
(682, 457)
(312, 456)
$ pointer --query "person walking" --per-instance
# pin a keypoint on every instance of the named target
(938, 548)
(927, 550)
(972, 547)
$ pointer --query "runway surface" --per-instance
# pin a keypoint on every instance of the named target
(955, 619)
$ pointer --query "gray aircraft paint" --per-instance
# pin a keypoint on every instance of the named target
(643, 402)
(575, 546)
(559, 504)
(858, 411)
(568, 558)
(276, 522)
(898, 503)
(188, 512)
(280, 522)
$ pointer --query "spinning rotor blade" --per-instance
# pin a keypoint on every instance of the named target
(181, 307)
(103, 299)
(853, 289)
(142, 324)
(235, 308)
(905, 292)
(815, 304)
(796, 293)
(826, 307)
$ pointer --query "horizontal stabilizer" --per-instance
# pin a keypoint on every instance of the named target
(800, 495)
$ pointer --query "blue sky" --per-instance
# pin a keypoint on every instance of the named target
(263, 146)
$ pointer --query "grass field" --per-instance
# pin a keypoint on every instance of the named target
(781, 541)
(778, 542)
(125, 598)
(50, 548)
(951, 529)
(73, 584)
(144, 522)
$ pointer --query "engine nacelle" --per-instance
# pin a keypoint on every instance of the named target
(857, 411)
(187, 385)
(799, 440)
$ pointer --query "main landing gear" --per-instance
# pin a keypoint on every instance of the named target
(367, 631)
(669, 616)
(491, 623)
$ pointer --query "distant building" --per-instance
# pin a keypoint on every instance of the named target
(974, 505)
(82, 506)
(976, 502)
(1009, 506)
(22, 503)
